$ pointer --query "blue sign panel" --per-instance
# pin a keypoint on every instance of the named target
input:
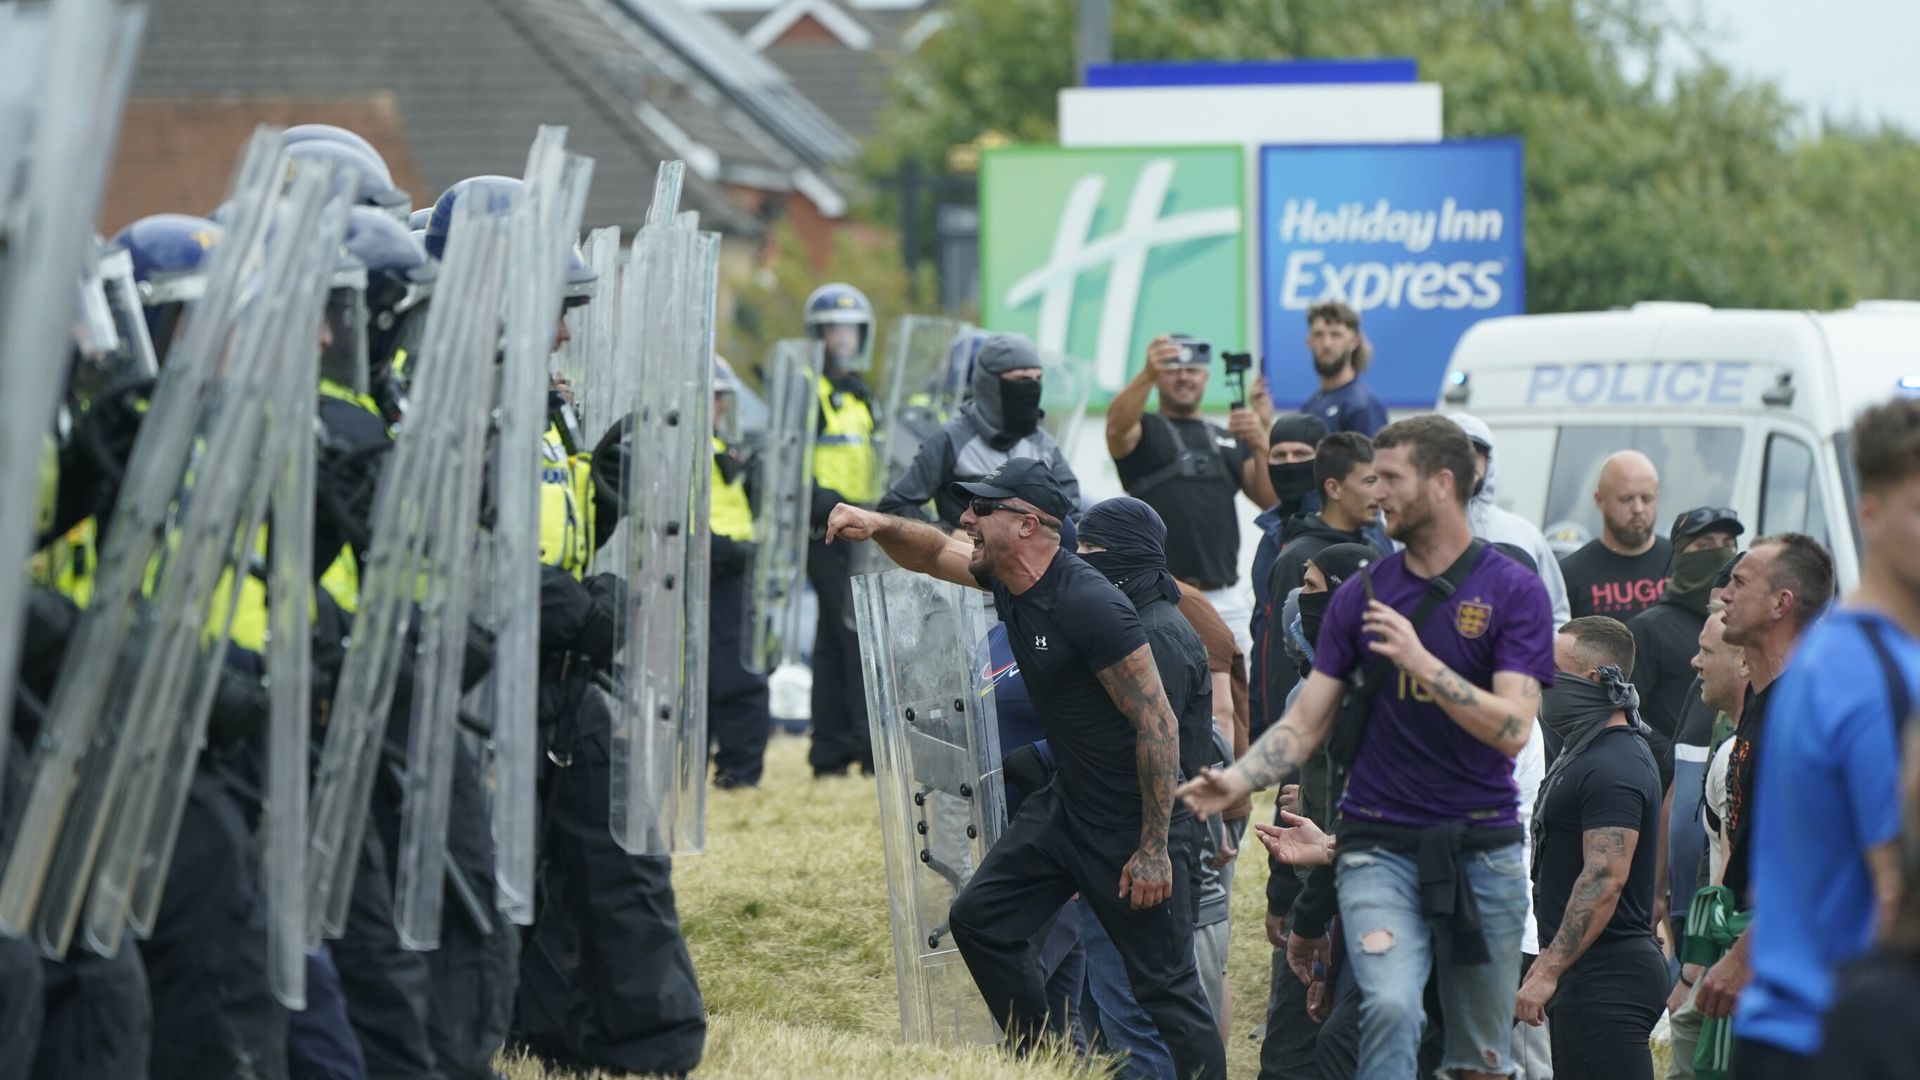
(1423, 240)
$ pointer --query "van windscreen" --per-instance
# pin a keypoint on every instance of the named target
(1697, 464)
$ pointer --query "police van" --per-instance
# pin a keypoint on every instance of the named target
(1747, 409)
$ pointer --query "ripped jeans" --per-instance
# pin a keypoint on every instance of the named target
(1392, 949)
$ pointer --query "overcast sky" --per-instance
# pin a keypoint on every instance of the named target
(1849, 58)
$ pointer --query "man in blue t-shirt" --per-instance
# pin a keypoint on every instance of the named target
(1430, 837)
(1340, 353)
(1826, 862)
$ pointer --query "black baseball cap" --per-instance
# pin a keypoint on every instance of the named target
(1029, 479)
(1702, 519)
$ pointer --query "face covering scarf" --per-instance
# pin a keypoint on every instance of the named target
(1577, 709)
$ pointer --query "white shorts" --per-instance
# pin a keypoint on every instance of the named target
(1235, 605)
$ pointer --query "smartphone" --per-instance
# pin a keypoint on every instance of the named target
(1366, 580)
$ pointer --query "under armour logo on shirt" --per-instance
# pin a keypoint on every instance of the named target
(1039, 642)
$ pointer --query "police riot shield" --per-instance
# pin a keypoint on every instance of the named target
(658, 787)
(589, 365)
(433, 461)
(1066, 383)
(542, 231)
(936, 758)
(458, 589)
(783, 486)
(919, 391)
(186, 478)
(217, 553)
(64, 69)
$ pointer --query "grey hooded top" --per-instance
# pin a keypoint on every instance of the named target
(1499, 526)
(962, 449)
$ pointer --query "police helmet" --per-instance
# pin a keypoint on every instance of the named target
(169, 253)
(400, 279)
(300, 133)
(498, 193)
(726, 400)
(375, 183)
(417, 221)
(839, 304)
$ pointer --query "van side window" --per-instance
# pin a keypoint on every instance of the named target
(1790, 496)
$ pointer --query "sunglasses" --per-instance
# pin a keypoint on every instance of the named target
(982, 507)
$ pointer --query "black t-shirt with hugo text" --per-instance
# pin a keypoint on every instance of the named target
(1071, 625)
(1612, 784)
(1600, 582)
(1189, 471)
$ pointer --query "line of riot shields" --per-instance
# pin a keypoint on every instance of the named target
(214, 515)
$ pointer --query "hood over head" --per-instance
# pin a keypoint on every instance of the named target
(1482, 435)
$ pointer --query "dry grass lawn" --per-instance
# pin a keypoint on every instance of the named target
(786, 916)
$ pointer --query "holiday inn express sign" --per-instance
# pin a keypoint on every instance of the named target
(1092, 252)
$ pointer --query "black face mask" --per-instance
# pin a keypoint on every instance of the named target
(1292, 481)
(1019, 407)
(1313, 610)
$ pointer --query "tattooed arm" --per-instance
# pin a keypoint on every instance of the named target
(1277, 753)
(913, 545)
(1502, 718)
(1608, 857)
(1134, 685)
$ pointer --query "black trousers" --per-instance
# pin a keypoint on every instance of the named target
(1764, 1061)
(840, 737)
(606, 977)
(99, 1018)
(1045, 857)
(214, 1013)
(389, 988)
(321, 1044)
(737, 715)
(472, 973)
(1287, 1049)
(1605, 1008)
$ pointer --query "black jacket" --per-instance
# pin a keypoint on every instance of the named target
(1665, 638)
(1306, 535)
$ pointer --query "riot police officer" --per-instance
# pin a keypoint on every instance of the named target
(844, 470)
(737, 704)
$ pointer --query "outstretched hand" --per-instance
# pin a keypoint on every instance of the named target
(1212, 791)
(1296, 842)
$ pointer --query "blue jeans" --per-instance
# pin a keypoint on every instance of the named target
(1124, 1026)
(1393, 949)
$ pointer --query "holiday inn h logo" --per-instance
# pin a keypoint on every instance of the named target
(1093, 252)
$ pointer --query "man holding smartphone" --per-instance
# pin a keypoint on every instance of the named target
(1429, 841)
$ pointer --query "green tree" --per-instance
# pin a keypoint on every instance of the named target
(1642, 180)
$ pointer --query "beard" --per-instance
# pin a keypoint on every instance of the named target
(981, 564)
(1630, 535)
(1409, 520)
(1333, 366)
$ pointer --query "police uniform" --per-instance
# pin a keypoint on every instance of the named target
(843, 469)
(737, 707)
(86, 1016)
(605, 979)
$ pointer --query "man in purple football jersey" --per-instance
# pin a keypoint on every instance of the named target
(1429, 868)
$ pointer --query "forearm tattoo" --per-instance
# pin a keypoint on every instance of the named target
(1272, 757)
(1595, 893)
(1450, 687)
(1134, 686)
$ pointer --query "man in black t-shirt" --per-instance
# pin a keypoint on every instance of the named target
(1624, 571)
(1600, 975)
(1115, 741)
(1188, 470)
(1777, 589)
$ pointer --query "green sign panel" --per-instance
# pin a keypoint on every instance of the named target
(1092, 253)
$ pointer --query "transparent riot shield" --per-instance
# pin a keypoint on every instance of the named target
(936, 759)
(919, 390)
(406, 561)
(202, 581)
(781, 519)
(64, 70)
(668, 303)
(598, 388)
(1066, 382)
(452, 593)
(93, 736)
(541, 242)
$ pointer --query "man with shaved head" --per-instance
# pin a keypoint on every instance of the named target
(1625, 570)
